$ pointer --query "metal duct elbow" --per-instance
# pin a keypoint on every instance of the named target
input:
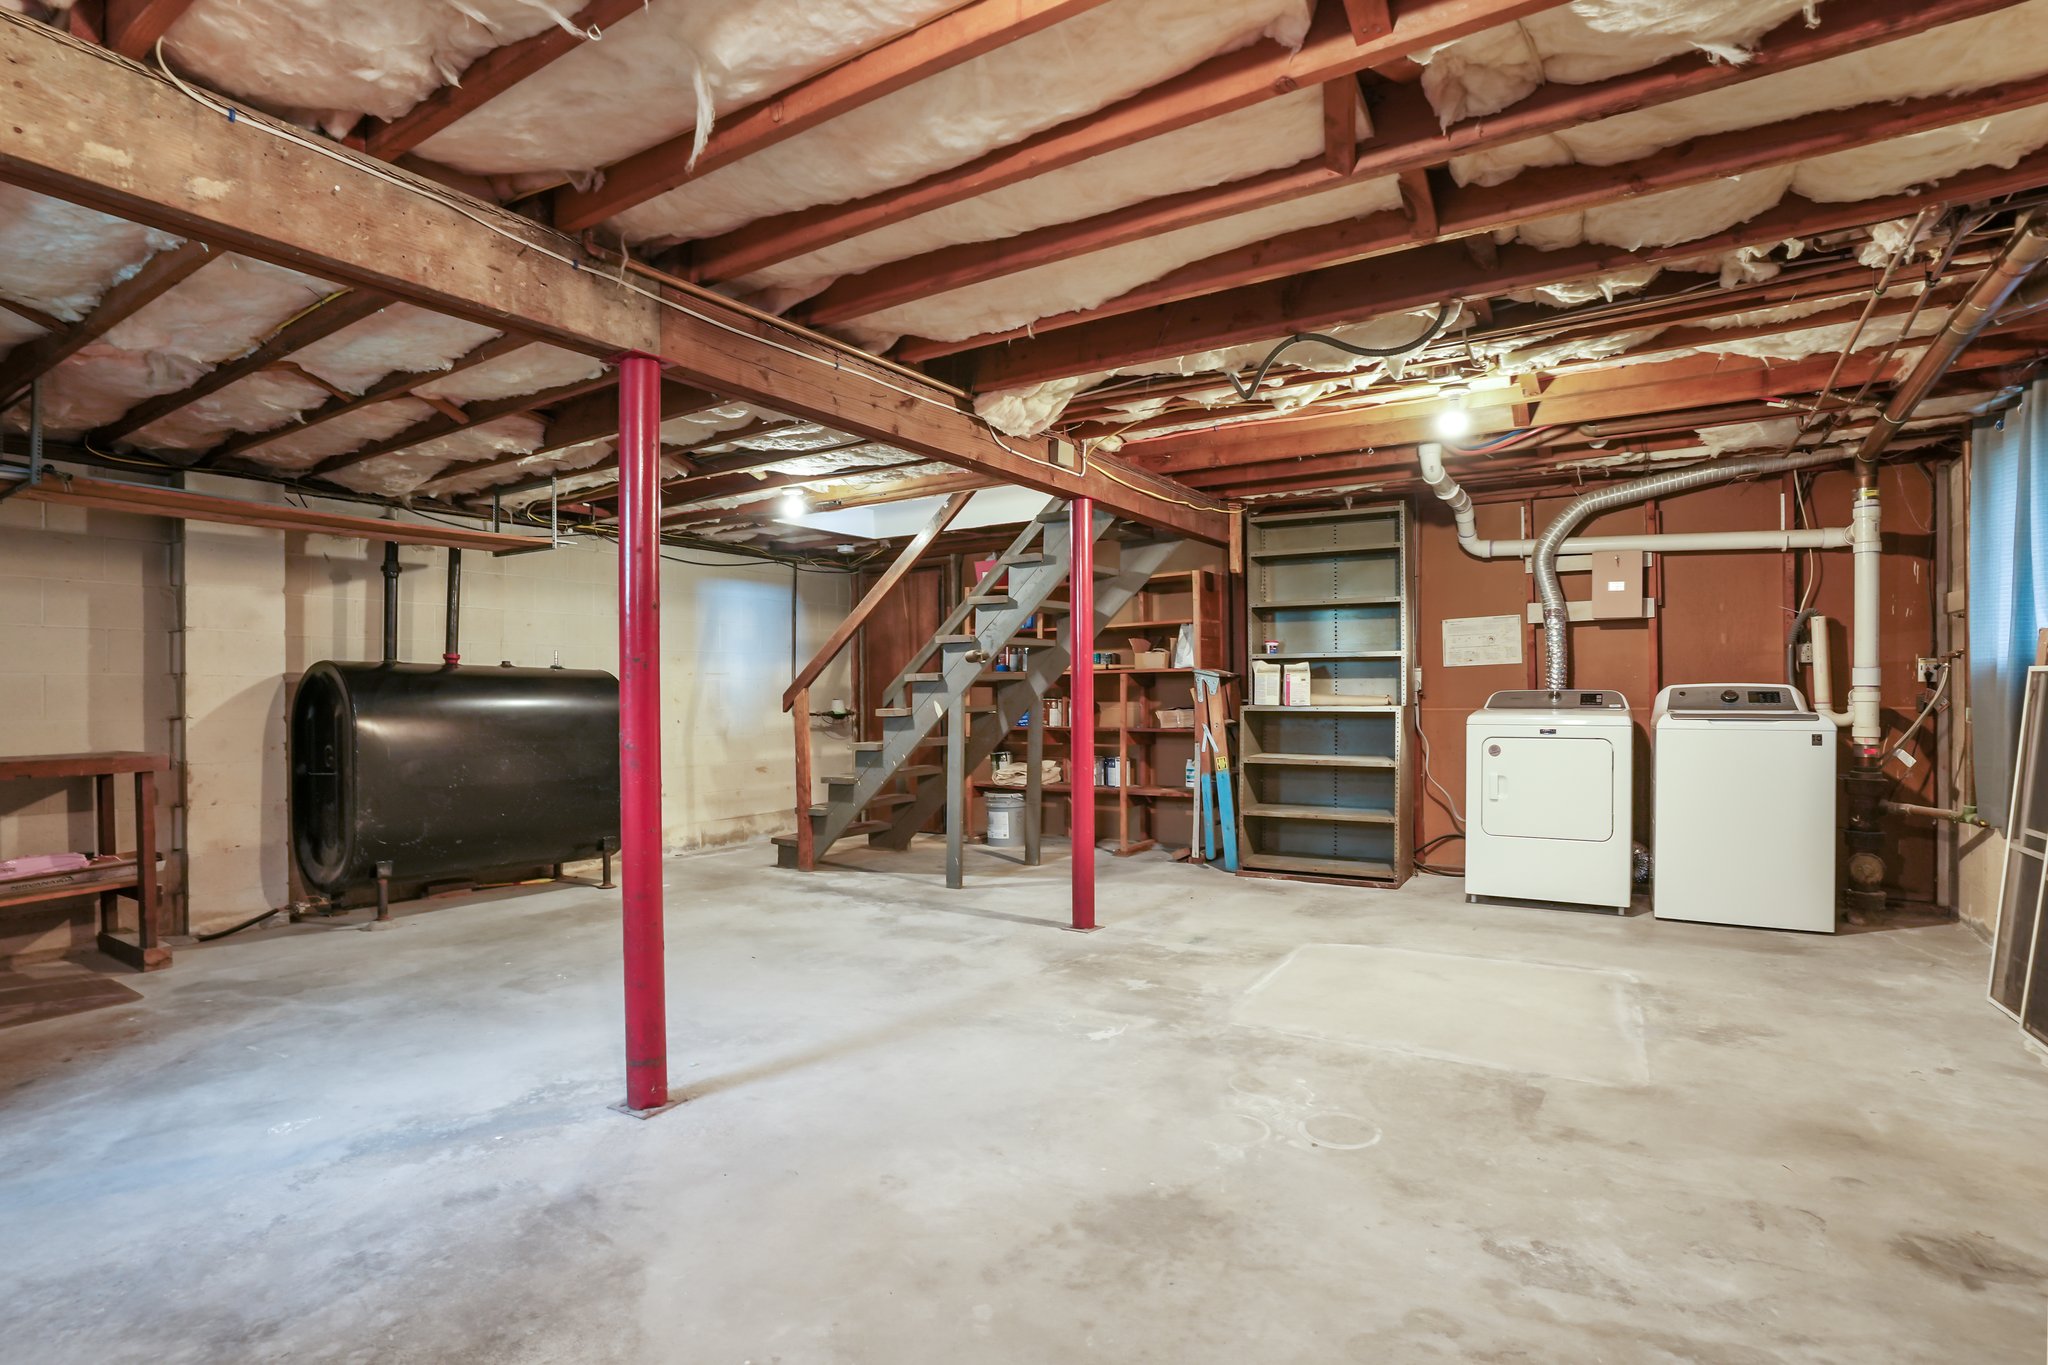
(1455, 497)
(1557, 665)
(2027, 248)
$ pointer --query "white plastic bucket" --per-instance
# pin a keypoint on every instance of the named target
(1006, 819)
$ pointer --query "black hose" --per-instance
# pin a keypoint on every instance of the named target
(223, 933)
(1247, 392)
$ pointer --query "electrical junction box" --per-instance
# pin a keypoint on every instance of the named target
(1617, 585)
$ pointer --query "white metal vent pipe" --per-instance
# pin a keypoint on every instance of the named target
(1557, 665)
(1664, 542)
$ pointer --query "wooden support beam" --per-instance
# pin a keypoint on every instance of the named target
(74, 491)
(596, 416)
(1419, 277)
(1418, 202)
(1595, 395)
(160, 273)
(133, 26)
(492, 74)
(395, 385)
(1407, 139)
(1342, 124)
(1370, 19)
(688, 492)
(322, 320)
(1222, 85)
(239, 185)
(944, 42)
(475, 415)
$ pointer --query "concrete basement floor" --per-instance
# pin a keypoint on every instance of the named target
(1247, 1122)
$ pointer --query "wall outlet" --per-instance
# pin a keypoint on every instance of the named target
(1927, 670)
(1806, 651)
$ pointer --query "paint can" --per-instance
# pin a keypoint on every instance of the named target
(1272, 646)
(1005, 819)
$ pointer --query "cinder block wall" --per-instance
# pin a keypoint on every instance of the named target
(87, 616)
(121, 632)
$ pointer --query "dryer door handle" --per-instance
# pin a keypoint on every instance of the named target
(1500, 783)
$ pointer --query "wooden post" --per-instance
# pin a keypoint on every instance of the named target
(109, 841)
(148, 926)
(1034, 785)
(806, 836)
(956, 790)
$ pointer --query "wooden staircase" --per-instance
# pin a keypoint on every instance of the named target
(895, 787)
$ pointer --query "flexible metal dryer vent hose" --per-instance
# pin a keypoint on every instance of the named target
(1557, 664)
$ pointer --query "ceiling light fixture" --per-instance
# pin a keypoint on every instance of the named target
(1454, 423)
(794, 505)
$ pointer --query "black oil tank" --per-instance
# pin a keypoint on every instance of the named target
(446, 771)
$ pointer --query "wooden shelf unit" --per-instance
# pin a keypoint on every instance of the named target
(1323, 789)
(1151, 759)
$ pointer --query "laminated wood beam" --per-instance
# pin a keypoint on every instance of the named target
(133, 26)
(1221, 85)
(944, 42)
(159, 274)
(251, 185)
(1407, 140)
(322, 320)
(395, 385)
(1392, 280)
(492, 74)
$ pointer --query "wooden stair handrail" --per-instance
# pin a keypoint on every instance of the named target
(893, 575)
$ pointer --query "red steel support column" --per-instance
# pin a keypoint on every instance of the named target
(1081, 781)
(640, 728)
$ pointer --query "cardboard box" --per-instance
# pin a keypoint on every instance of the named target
(1265, 683)
(1144, 656)
(1617, 585)
(1176, 718)
(1120, 715)
(1295, 685)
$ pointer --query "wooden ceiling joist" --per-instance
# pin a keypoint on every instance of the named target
(159, 274)
(1599, 395)
(133, 26)
(492, 74)
(395, 385)
(475, 415)
(1422, 276)
(1222, 85)
(1407, 141)
(944, 42)
(323, 320)
(234, 183)
(1370, 19)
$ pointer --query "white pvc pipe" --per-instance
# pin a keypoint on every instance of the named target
(1674, 542)
(1866, 728)
(1823, 672)
(1669, 542)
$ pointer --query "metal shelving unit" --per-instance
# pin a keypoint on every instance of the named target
(1323, 788)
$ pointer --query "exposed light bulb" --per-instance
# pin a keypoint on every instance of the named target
(1454, 423)
(793, 505)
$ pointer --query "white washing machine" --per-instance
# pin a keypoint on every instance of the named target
(1548, 798)
(1745, 807)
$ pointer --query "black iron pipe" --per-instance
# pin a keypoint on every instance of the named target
(451, 652)
(390, 601)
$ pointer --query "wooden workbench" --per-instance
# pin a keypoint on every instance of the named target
(134, 875)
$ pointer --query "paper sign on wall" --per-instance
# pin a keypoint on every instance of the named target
(1474, 640)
